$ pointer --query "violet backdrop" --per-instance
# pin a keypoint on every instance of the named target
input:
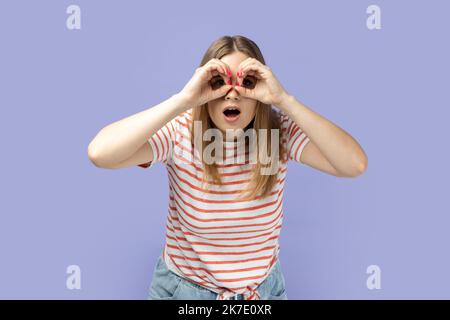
(388, 88)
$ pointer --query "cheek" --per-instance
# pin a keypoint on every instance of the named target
(251, 112)
(210, 109)
(214, 113)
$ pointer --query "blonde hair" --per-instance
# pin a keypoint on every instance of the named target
(265, 118)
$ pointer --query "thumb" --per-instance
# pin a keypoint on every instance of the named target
(223, 90)
(242, 91)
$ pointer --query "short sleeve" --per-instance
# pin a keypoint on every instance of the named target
(296, 139)
(161, 144)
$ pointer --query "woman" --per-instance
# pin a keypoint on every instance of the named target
(225, 203)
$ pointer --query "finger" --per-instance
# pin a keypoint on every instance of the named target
(240, 73)
(212, 69)
(226, 88)
(222, 91)
(251, 72)
(259, 72)
(223, 66)
(244, 91)
(227, 71)
(244, 63)
(247, 62)
(218, 69)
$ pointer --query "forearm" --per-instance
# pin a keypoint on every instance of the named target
(119, 140)
(341, 149)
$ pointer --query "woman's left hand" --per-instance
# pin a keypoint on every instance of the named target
(268, 89)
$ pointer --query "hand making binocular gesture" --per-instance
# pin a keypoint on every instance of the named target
(213, 80)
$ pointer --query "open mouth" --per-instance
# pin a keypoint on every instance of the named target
(231, 113)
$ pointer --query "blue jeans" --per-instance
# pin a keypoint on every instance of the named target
(167, 285)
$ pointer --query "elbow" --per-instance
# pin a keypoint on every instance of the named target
(360, 167)
(357, 168)
(95, 156)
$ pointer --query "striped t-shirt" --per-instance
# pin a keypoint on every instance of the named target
(212, 239)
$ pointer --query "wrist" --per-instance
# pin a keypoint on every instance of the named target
(285, 101)
(182, 101)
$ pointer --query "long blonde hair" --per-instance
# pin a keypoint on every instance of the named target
(260, 185)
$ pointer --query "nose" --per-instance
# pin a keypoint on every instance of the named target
(232, 94)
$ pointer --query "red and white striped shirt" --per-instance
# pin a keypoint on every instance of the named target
(212, 239)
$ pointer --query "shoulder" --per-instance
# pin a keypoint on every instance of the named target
(184, 119)
(180, 122)
(279, 116)
(284, 122)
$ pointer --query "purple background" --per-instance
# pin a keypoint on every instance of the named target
(386, 87)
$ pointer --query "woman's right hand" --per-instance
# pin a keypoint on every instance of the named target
(209, 82)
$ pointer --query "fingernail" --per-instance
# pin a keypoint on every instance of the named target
(229, 81)
(237, 83)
